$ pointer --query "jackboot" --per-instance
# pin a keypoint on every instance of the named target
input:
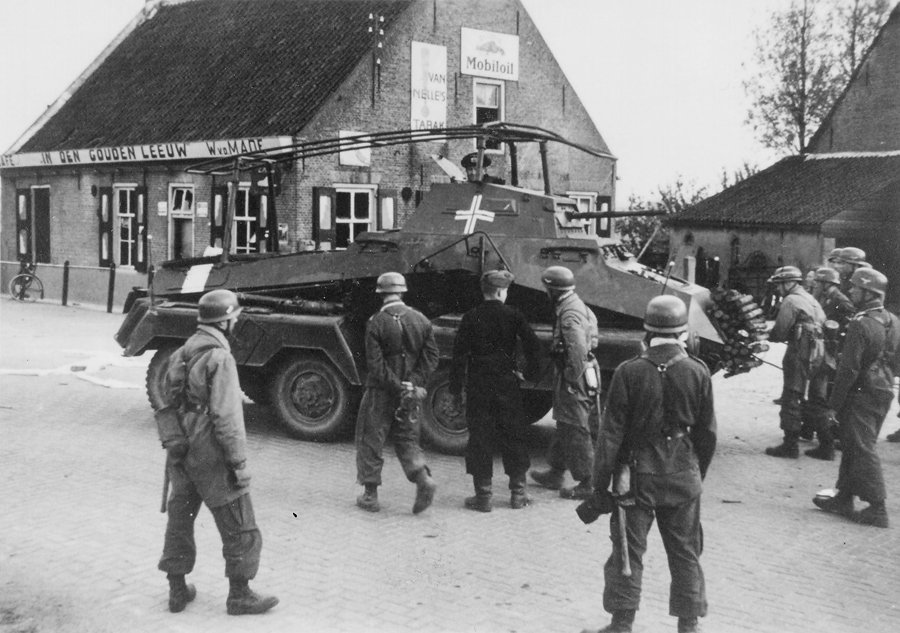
(244, 601)
(425, 488)
(481, 502)
(582, 491)
(840, 503)
(551, 478)
(622, 622)
(180, 593)
(788, 448)
(688, 625)
(875, 515)
(518, 498)
(368, 500)
(825, 449)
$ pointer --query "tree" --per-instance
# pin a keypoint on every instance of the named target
(803, 59)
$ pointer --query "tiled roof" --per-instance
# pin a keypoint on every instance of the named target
(214, 69)
(796, 191)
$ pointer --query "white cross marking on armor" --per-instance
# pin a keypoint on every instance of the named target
(473, 215)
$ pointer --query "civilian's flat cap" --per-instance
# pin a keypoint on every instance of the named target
(497, 279)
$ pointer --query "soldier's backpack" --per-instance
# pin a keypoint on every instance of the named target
(168, 418)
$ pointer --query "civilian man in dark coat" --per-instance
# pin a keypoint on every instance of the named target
(862, 396)
(202, 381)
(659, 419)
(401, 355)
(484, 359)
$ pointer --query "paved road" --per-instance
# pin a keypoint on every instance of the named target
(81, 530)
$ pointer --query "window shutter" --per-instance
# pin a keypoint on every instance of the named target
(23, 224)
(387, 210)
(141, 228)
(323, 217)
(218, 208)
(263, 232)
(105, 217)
(604, 225)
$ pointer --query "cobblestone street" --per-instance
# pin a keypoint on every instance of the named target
(81, 532)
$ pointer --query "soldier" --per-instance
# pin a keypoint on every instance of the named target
(575, 388)
(799, 324)
(862, 395)
(470, 164)
(484, 357)
(401, 354)
(845, 261)
(660, 421)
(838, 311)
(202, 380)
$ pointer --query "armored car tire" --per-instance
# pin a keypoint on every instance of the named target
(156, 373)
(443, 425)
(311, 398)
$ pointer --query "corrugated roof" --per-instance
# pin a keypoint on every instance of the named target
(212, 69)
(797, 191)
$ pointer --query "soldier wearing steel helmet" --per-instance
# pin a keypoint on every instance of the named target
(574, 336)
(660, 421)
(862, 395)
(213, 470)
(845, 261)
(401, 354)
(484, 362)
(799, 324)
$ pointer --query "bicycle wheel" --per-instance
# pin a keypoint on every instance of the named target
(26, 287)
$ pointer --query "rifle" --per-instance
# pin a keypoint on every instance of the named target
(622, 493)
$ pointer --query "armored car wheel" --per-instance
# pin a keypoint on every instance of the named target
(311, 398)
(156, 373)
(443, 425)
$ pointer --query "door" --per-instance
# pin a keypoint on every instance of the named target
(41, 207)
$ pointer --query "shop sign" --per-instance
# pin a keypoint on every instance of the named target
(428, 83)
(489, 54)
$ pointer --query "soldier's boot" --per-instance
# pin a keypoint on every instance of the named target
(875, 515)
(838, 504)
(807, 431)
(551, 478)
(788, 448)
(518, 498)
(425, 488)
(688, 625)
(244, 601)
(482, 501)
(582, 491)
(825, 449)
(180, 593)
(622, 621)
(368, 500)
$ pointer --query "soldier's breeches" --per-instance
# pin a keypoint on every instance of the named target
(571, 449)
(179, 549)
(791, 413)
(859, 423)
(378, 419)
(682, 538)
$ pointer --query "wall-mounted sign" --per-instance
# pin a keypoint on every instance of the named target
(359, 157)
(144, 153)
(202, 209)
(428, 82)
(489, 54)
(162, 208)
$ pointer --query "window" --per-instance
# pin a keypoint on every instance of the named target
(126, 226)
(181, 221)
(488, 106)
(353, 214)
(246, 222)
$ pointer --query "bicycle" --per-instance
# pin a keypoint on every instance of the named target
(26, 285)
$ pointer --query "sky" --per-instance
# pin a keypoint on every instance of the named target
(661, 79)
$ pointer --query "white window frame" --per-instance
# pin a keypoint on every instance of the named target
(586, 201)
(181, 214)
(370, 222)
(243, 190)
(118, 190)
(502, 115)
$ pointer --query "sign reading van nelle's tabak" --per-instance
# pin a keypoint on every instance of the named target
(148, 152)
(489, 54)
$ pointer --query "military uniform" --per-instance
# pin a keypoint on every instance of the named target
(400, 347)
(214, 424)
(659, 416)
(484, 359)
(799, 324)
(572, 447)
(861, 398)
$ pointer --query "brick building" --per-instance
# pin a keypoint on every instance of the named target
(844, 190)
(101, 178)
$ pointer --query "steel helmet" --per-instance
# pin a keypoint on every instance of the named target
(558, 278)
(869, 279)
(852, 255)
(218, 305)
(390, 283)
(666, 315)
(786, 273)
(834, 254)
(824, 274)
